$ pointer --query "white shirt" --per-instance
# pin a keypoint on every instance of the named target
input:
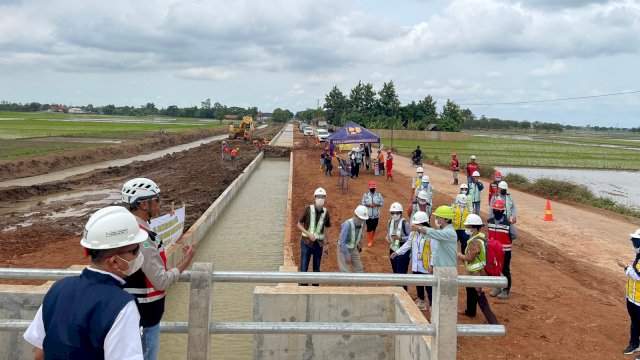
(123, 340)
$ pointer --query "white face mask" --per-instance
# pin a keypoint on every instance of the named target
(636, 250)
(468, 232)
(320, 202)
(396, 217)
(134, 265)
(438, 223)
(422, 201)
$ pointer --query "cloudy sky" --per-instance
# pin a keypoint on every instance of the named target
(290, 53)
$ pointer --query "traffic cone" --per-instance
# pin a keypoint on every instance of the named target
(547, 214)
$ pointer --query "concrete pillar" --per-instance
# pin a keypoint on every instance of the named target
(200, 296)
(444, 314)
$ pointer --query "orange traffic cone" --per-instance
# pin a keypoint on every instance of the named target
(547, 214)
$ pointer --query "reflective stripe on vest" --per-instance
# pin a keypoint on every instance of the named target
(481, 260)
(148, 293)
(395, 244)
(416, 183)
(315, 229)
(500, 232)
(374, 212)
(633, 290)
(354, 238)
(508, 201)
(460, 216)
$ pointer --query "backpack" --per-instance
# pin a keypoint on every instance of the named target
(495, 258)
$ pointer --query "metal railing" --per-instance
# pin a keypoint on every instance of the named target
(443, 328)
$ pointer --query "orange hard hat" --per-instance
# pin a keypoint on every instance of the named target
(372, 184)
(326, 148)
(498, 205)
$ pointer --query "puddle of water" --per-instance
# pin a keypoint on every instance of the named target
(15, 227)
(97, 197)
(621, 186)
(239, 240)
(71, 212)
(503, 136)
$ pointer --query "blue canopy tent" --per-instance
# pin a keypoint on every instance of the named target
(352, 133)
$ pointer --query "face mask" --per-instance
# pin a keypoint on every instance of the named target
(636, 250)
(438, 223)
(468, 232)
(464, 192)
(422, 201)
(498, 180)
(396, 217)
(357, 221)
(420, 175)
(134, 265)
(498, 214)
(320, 202)
(372, 190)
(503, 192)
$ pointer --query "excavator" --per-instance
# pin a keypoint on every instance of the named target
(246, 125)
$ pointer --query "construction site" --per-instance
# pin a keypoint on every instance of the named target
(567, 299)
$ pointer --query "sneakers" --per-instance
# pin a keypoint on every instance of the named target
(422, 306)
(631, 349)
(495, 292)
(504, 295)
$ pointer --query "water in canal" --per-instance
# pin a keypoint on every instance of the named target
(247, 236)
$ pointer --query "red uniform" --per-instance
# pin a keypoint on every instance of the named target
(389, 166)
(493, 189)
(471, 167)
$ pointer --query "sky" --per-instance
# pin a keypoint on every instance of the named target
(290, 54)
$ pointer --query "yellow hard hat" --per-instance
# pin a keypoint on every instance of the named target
(444, 212)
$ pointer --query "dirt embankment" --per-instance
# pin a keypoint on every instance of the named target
(12, 169)
(33, 236)
(562, 307)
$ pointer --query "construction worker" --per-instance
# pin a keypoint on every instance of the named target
(225, 151)
(415, 182)
(475, 192)
(349, 246)
(464, 189)
(398, 230)
(358, 160)
(381, 162)
(493, 186)
(500, 228)
(633, 295)
(425, 185)
(234, 154)
(475, 259)
(89, 316)
(421, 248)
(328, 165)
(510, 206)
(389, 165)
(367, 154)
(149, 284)
(314, 225)
(420, 204)
(455, 167)
(444, 251)
(352, 161)
(373, 201)
(472, 167)
(460, 212)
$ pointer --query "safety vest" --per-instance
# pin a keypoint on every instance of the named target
(474, 192)
(427, 188)
(500, 232)
(395, 230)
(481, 260)
(633, 288)
(417, 181)
(417, 207)
(423, 245)
(370, 199)
(508, 203)
(354, 238)
(460, 216)
(315, 228)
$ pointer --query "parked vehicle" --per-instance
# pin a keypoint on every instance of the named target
(322, 134)
(308, 130)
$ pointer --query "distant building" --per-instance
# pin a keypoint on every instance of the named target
(56, 108)
(264, 116)
(75, 110)
(321, 121)
(232, 117)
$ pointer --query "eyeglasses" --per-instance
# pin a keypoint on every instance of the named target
(135, 251)
(396, 213)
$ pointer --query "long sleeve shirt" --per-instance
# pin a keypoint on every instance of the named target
(153, 266)
(417, 246)
(373, 199)
(513, 233)
(445, 251)
(510, 206)
(345, 237)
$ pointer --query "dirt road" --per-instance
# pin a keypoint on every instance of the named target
(567, 300)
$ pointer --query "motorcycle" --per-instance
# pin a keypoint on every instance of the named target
(416, 161)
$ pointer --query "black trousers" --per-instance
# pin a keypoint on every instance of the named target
(506, 269)
(372, 224)
(356, 169)
(634, 330)
(400, 264)
(420, 290)
(472, 301)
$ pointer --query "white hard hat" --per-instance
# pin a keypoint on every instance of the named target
(475, 173)
(320, 191)
(503, 185)
(636, 235)
(395, 207)
(473, 219)
(461, 199)
(425, 178)
(420, 217)
(423, 195)
(464, 186)
(473, 157)
(112, 227)
(420, 169)
(362, 212)
(139, 189)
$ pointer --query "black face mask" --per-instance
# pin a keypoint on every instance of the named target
(372, 190)
(498, 214)
(503, 192)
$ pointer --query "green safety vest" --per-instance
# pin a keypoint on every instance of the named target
(315, 228)
(354, 239)
(395, 230)
(481, 260)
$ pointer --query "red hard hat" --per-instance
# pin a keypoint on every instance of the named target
(498, 174)
(372, 184)
(326, 148)
(498, 205)
(389, 151)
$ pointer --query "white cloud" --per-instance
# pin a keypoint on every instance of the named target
(325, 78)
(208, 73)
(297, 89)
(494, 74)
(553, 68)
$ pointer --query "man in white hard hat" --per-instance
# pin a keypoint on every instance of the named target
(349, 245)
(314, 225)
(150, 283)
(632, 271)
(420, 204)
(460, 212)
(415, 182)
(425, 186)
(475, 192)
(472, 166)
(510, 210)
(89, 316)
(398, 230)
